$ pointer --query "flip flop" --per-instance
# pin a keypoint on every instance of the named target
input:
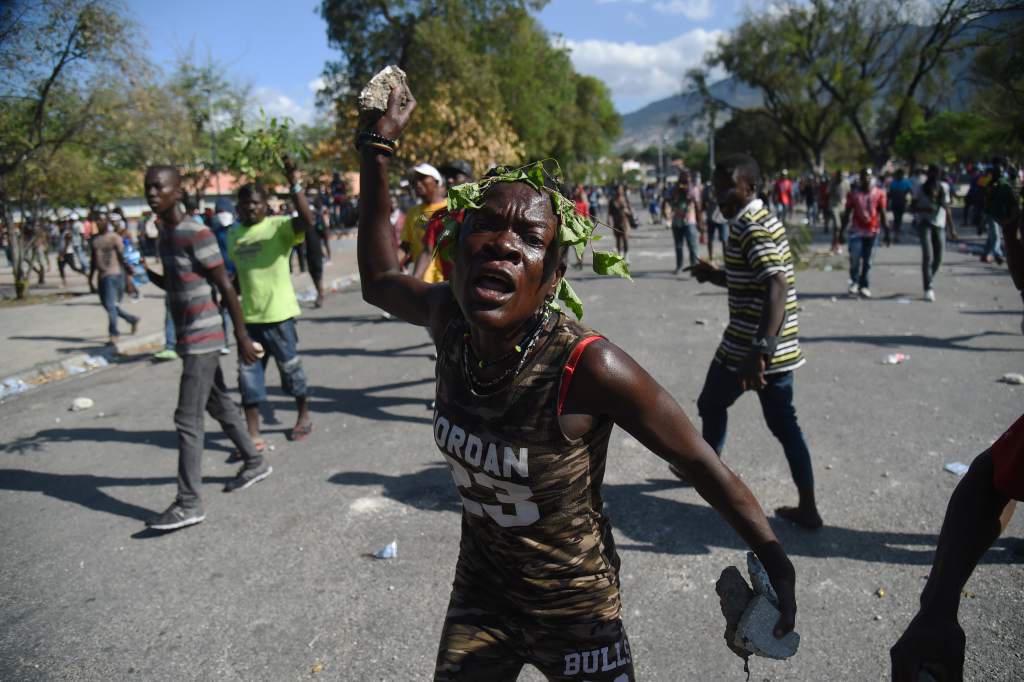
(236, 455)
(301, 431)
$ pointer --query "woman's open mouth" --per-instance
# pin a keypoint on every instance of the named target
(493, 286)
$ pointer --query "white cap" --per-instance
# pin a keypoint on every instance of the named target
(428, 170)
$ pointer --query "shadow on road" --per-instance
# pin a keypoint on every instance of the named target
(83, 489)
(162, 439)
(361, 402)
(646, 522)
(357, 320)
(372, 353)
(430, 489)
(898, 341)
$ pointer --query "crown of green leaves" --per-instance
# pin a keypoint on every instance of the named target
(574, 229)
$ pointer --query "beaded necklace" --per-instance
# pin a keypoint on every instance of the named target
(523, 347)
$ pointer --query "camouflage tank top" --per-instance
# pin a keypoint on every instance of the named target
(535, 541)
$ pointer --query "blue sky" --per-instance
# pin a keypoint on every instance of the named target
(641, 48)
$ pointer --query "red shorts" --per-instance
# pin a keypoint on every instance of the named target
(1008, 461)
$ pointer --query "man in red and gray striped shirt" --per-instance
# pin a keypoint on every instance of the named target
(192, 266)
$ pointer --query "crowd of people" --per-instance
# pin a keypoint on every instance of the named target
(526, 398)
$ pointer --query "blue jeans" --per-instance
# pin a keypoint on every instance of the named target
(111, 293)
(722, 388)
(862, 250)
(280, 340)
(170, 337)
(684, 231)
(994, 242)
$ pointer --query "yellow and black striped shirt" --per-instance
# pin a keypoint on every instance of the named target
(756, 250)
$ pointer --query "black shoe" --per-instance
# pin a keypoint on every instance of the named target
(176, 517)
(247, 476)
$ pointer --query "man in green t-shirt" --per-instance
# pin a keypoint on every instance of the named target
(260, 247)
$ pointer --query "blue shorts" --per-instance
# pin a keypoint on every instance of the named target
(280, 340)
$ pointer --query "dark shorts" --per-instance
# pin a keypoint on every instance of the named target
(481, 644)
(314, 254)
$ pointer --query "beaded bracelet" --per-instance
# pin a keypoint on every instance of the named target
(368, 137)
(382, 148)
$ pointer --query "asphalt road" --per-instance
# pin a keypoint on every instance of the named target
(276, 584)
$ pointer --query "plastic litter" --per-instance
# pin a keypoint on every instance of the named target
(306, 296)
(12, 386)
(1013, 379)
(79, 404)
(390, 551)
(895, 359)
(701, 321)
(956, 468)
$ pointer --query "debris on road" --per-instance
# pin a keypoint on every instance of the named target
(1013, 379)
(12, 386)
(956, 468)
(317, 668)
(895, 359)
(880, 592)
(701, 321)
(79, 404)
(390, 551)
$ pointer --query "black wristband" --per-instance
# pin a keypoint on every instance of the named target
(371, 137)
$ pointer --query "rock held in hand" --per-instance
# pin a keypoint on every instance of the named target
(755, 631)
(375, 94)
(733, 596)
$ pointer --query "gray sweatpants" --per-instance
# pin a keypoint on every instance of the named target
(202, 390)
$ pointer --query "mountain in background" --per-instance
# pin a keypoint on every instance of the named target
(642, 128)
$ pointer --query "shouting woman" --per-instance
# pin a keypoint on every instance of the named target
(525, 404)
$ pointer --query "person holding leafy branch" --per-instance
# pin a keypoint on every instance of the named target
(260, 246)
(526, 401)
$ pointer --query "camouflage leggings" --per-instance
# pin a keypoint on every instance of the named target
(478, 644)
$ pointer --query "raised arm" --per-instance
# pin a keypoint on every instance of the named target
(608, 383)
(305, 219)
(383, 282)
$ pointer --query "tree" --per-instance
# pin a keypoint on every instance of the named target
(998, 72)
(212, 104)
(60, 60)
(766, 51)
(491, 86)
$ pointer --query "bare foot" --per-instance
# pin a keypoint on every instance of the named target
(807, 518)
(301, 430)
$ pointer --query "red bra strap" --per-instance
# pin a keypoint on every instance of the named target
(570, 367)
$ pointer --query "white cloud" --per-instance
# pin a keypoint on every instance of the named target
(639, 74)
(691, 9)
(316, 85)
(276, 103)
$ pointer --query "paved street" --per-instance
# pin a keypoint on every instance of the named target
(276, 584)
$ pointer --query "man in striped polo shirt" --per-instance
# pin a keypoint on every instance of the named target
(192, 266)
(760, 348)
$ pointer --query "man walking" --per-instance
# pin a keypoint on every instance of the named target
(687, 219)
(899, 188)
(865, 206)
(192, 266)
(784, 195)
(260, 247)
(760, 347)
(838, 191)
(931, 207)
(109, 266)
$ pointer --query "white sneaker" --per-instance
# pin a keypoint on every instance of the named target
(929, 295)
(865, 292)
(853, 288)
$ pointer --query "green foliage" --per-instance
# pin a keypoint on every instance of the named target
(259, 151)
(489, 82)
(574, 229)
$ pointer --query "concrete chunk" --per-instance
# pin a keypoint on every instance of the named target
(754, 632)
(375, 94)
(733, 595)
(759, 578)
